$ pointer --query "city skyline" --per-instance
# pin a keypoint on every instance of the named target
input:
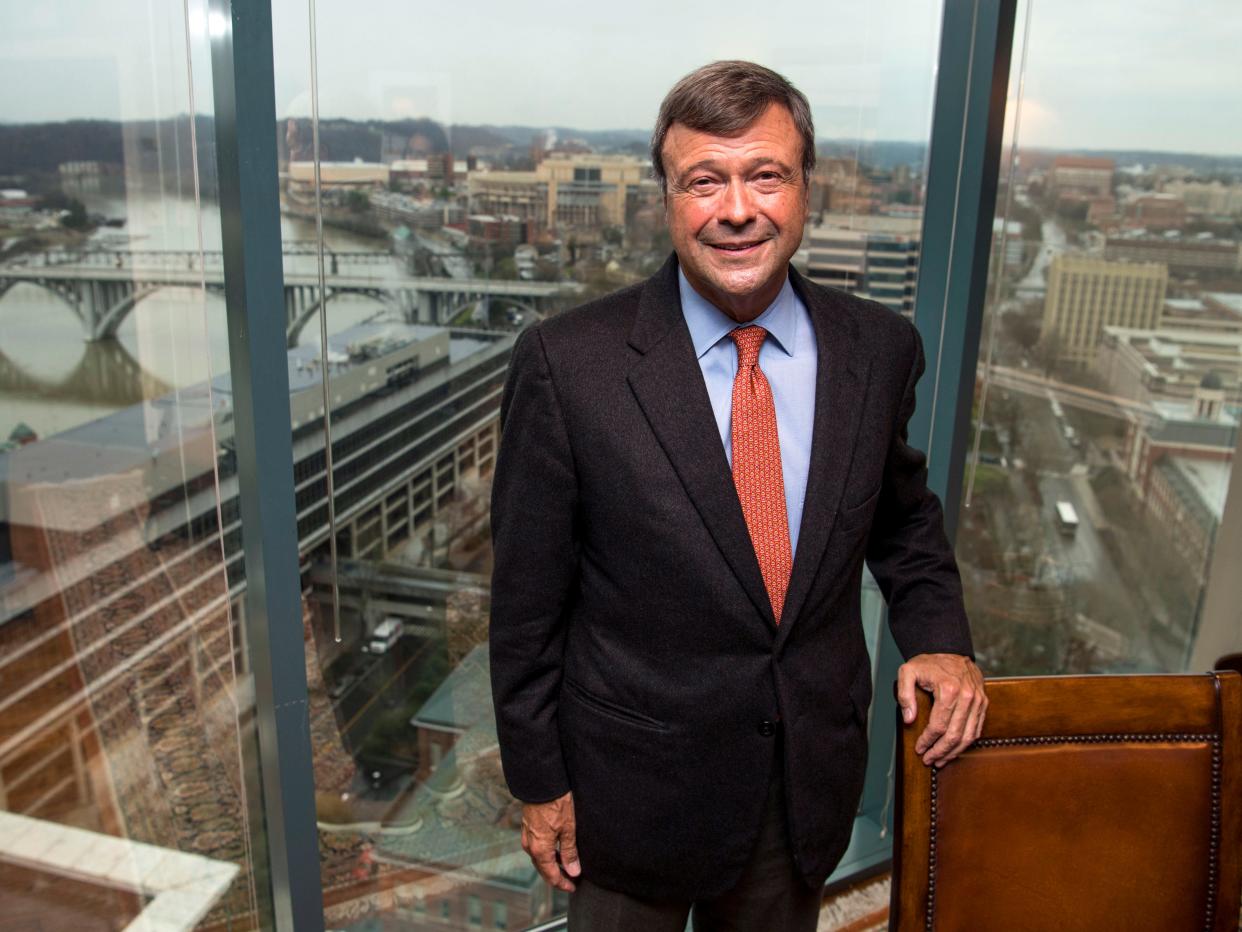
(869, 75)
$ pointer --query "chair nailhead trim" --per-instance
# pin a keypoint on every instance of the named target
(1181, 737)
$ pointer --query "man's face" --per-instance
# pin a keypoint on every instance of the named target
(736, 207)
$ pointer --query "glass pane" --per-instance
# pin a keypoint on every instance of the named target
(473, 177)
(1106, 413)
(125, 696)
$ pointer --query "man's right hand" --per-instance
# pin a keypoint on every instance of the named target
(547, 828)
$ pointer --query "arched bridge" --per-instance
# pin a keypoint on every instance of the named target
(102, 288)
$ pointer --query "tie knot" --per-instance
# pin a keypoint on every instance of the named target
(748, 341)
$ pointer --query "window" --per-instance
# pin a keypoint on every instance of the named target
(440, 244)
(1099, 400)
(124, 683)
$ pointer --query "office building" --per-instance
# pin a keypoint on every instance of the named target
(874, 257)
(1207, 198)
(1179, 463)
(583, 192)
(1082, 176)
(1168, 364)
(1085, 295)
(1200, 255)
(1155, 212)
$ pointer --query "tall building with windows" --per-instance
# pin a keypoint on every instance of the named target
(1186, 255)
(874, 257)
(576, 191)
(1086, 294)
(1082, 175)
(1168, 364)
(590, 190)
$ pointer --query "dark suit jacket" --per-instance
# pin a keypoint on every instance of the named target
(634, 655)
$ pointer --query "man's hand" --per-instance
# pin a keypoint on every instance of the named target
(958, 703)
(547, 828)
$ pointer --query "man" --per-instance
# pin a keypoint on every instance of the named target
(691, 474)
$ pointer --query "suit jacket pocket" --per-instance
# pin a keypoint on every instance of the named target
(859, 514)
(610, 709)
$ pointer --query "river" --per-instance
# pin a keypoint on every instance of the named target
(53, 379)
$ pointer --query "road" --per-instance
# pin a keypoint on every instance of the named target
(381, 684)
(1054, 241)
(1083, 559)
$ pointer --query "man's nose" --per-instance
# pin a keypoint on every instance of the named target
(736, 206)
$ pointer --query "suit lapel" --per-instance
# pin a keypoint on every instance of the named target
(668, 384)
(840, 393)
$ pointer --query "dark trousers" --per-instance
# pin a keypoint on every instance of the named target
(770, 896)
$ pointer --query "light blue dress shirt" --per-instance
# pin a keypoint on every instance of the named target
(788, 359)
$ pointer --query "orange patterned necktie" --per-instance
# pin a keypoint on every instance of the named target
(757, 467)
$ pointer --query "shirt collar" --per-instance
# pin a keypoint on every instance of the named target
(709, 325)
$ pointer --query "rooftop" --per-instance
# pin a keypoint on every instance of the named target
(163, 442)
(1202, 484)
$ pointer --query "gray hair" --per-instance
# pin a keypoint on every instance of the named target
(726, 97)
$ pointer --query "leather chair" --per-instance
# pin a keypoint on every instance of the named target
(1230, 662)
(1089, 803)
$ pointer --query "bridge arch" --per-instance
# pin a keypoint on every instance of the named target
(111, 319)
(63, 290)
(293, 333)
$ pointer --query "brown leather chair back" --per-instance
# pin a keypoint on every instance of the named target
(1230, 662)
(1089, 803)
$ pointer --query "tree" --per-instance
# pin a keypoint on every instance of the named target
(1023, 329)
(1048, 351)
(74, 216)
(357, 202)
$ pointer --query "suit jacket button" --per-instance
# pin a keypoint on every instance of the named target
(767, 729)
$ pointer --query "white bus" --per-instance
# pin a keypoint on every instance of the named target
(387, 633)
(1067, 518)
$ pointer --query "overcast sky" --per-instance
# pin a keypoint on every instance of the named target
(1100, 73)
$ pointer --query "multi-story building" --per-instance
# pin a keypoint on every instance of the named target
(1207, 197)
(566, 191)
(416, 213)
(1169, 364)
(1214, 312)
(441, 167)
(1081, 175)
(503, 231)
(874, 257)
(357, 175)
(1179, 463)
(1156, 212)
(1185, 255)
(589, 191)
(1085, 295)
(1008, 232)
(521, 194)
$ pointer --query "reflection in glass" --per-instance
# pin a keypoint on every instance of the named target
(124, 689)
(473, 181)
(1107, 410)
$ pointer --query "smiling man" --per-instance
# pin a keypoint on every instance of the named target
(692, 473)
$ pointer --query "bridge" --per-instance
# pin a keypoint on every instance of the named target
(102, 287)
(104, 374)
(1066, 393)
